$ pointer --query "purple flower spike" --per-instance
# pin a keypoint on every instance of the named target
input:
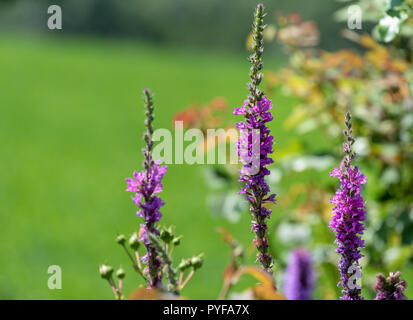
(255, 144)
(299, 276)
(390, 288)
(146, 184)
(349, 213)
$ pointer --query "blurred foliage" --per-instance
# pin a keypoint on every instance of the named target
(264, 288)
(392, 18)
(201, 116)
(197, 23)
(223, 199)
(151, 294)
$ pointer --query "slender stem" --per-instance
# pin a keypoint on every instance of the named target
(138, 260)
(187, 279)
(114, 289)
(347, 146)
(135, 263)
(256, 58)
(148, 163)
(172, 250)
(181, 278)
(170, 270)
(120, 286)
(257, 193)
(147, 137)
(224, 291)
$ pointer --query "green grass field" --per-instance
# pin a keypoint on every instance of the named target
(70, 128)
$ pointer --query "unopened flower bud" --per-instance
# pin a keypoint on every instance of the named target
(184, 264)
(134, 242)
(197, 261)
(177, 241)
(121, 239)
(167, 235)
(106, 271)
(120, 273)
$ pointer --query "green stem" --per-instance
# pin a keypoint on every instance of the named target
(170, 270)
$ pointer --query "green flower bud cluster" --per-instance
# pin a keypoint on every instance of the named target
(194, 262)
(168, 236)
(164, 244)
(106, 272)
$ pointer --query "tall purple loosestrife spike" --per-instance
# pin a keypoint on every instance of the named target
(299, 276)
(390, 288)
(349, 213)
(256, 110)
(145, 184)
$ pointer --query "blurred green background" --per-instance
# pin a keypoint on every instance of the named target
(71, 123)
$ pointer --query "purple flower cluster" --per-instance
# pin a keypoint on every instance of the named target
(299, 276)
(349, 212)
(347, 221)
(255, 144)
(146, 184)
(390, 288)
(254, 131)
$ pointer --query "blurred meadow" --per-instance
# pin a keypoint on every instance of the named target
(71, 127)
(71, 124)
